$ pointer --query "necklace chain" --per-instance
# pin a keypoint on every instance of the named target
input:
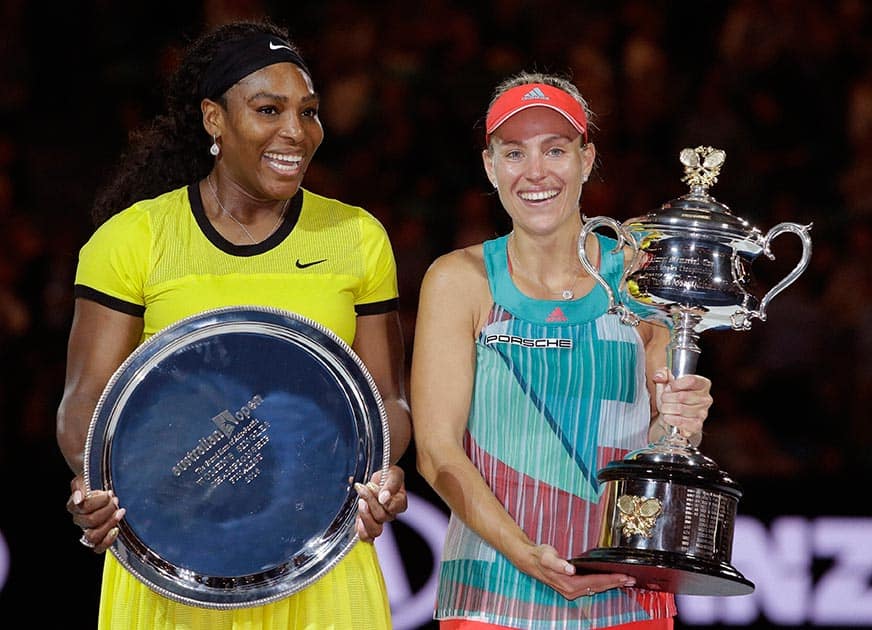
(238, 222)
(566, 294)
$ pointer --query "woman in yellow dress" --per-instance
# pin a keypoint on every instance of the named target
(207, 210)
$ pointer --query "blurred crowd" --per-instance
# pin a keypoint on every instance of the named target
(783, 86)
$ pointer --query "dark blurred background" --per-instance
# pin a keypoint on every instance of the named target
(783, 86)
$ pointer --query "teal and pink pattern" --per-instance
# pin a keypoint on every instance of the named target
(559, 392)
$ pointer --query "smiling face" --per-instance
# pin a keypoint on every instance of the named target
(269, 131)
(537, 162)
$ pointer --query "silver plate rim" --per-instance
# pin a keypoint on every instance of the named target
(266, 587)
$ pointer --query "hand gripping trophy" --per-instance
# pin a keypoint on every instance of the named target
(670, 510)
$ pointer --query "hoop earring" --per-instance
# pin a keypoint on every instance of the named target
(214, 149)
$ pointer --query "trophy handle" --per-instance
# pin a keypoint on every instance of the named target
(802, 232)
(615, 307)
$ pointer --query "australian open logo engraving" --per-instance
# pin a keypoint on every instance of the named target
(232, 451)
(203, 447)
(227, 422)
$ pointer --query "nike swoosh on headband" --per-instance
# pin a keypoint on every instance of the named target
(273, 46)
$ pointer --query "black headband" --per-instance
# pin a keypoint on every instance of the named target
(237, 59)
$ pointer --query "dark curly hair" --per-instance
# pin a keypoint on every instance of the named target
(173, 150)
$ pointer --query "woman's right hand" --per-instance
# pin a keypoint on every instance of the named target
(97, 513)
(548, 567)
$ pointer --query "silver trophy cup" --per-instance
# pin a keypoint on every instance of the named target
(670, 510)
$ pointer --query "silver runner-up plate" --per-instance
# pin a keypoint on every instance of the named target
(234, 438)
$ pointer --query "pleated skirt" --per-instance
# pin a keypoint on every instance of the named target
(351, 595)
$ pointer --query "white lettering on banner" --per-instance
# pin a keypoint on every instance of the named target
(412, 610)
(779, 562)
(843, 594)
(4, 561)
(778, 559)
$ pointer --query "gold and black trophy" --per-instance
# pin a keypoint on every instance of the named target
(670, 510)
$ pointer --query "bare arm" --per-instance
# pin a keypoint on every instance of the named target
(100, 340)
(443, 366)
(379, 343)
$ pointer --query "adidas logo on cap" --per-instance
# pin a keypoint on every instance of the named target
(535, 93)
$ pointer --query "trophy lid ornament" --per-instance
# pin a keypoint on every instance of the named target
(701, 167)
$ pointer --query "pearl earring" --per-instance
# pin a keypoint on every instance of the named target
(214, 149)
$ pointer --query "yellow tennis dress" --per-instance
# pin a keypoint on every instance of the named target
(162, 260)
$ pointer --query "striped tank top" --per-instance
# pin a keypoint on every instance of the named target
(559, 393)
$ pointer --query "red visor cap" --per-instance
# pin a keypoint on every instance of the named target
(521, 97)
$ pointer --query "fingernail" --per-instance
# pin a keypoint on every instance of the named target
(362, 506)
(113, 534)
(361, 489)
(78, 497)
(630, 582)
(383, 497)
(372, 486)
(119, 514)
(115, 501)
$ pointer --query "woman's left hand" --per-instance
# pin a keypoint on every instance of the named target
(683, 402)
(378, 505)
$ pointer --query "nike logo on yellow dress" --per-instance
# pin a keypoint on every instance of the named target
(302, 265)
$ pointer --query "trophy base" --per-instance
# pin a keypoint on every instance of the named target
(668, 572)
